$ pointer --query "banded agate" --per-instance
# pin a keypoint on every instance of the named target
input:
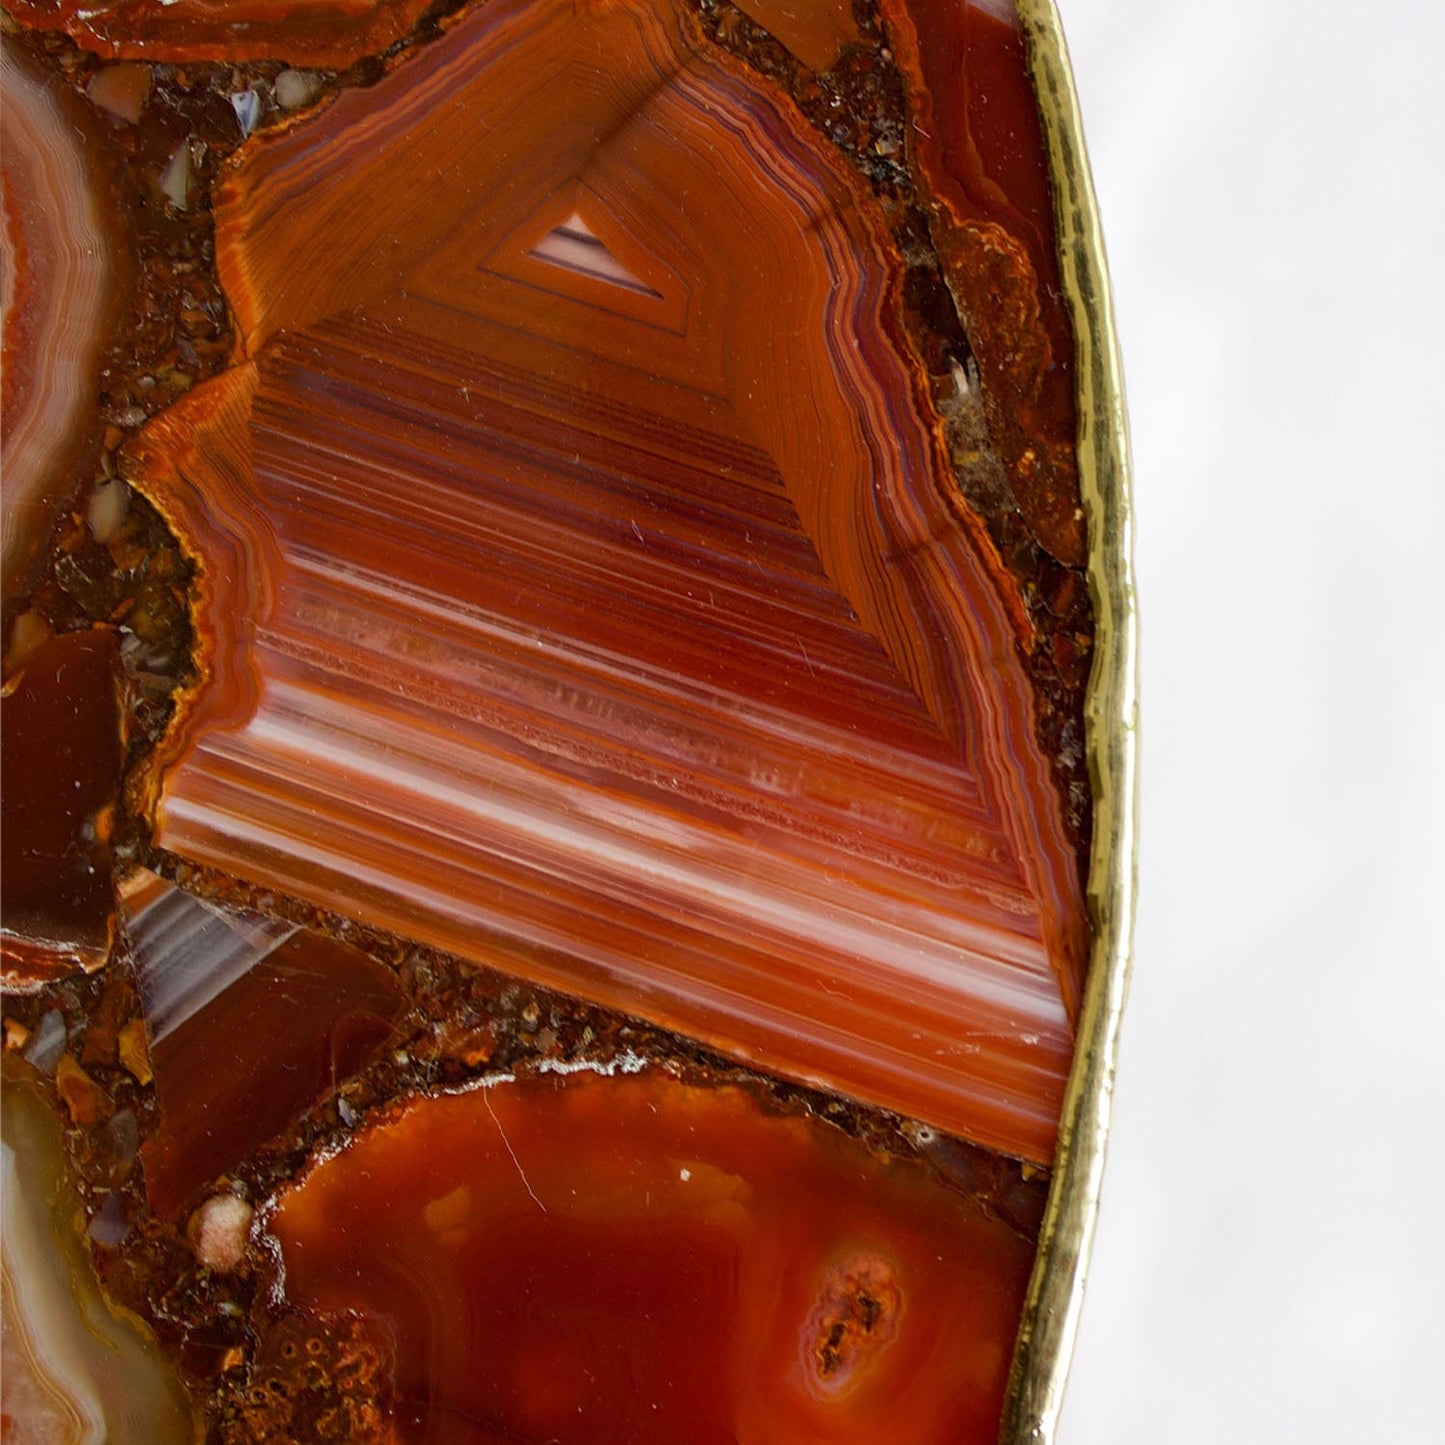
(75, 1373)
(311, 32)
(63, 270)
(585, 586)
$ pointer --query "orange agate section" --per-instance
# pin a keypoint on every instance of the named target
(816, 31)
(595, 1260)
(584, 589)
(305, 32)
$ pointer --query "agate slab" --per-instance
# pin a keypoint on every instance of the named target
(589, 563)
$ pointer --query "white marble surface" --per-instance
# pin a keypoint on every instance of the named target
(1270, 1264)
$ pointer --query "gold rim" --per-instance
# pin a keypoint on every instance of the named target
(1056, 1291)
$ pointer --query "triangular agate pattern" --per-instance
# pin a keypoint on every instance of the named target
(583, 588)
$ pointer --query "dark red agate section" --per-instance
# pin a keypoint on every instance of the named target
(64, 273)
(299, 1013)
(640, 1259)
(60, 729)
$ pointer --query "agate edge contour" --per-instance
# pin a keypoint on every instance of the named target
(1052, 1311)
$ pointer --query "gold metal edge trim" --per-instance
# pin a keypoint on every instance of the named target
(1056, 1291)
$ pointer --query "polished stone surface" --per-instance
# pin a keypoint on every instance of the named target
(60, 726)
(63, 269)
(584, 587)
(606, 726)
(596, 1258)
(304, 32)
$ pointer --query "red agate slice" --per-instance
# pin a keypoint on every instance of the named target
(594, 1260)
(251, 1022)
(980, 151)
(76, 1369)
(305, 32)
(584, 588)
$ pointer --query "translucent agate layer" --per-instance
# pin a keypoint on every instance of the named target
(61, 272)
(250, 1023)
(638, 1259)
(599, 679)
(60, 726)
(585, 586)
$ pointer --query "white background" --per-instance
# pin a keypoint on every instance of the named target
(1269, 1264)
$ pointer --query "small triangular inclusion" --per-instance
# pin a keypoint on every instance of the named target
(576, 247)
